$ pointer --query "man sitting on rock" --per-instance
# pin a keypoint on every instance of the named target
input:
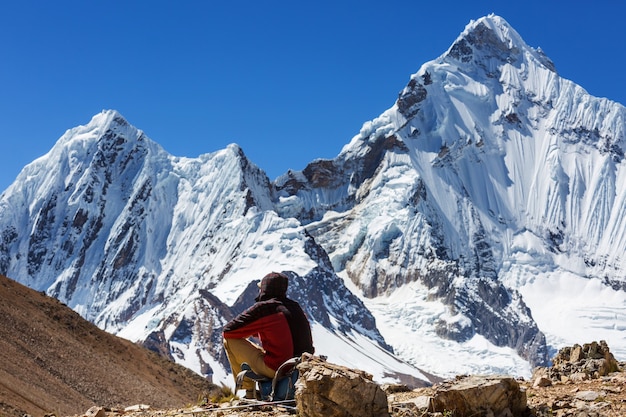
(279, 324)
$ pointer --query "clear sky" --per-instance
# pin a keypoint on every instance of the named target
(289, 81)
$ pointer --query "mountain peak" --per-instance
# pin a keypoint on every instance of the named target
(493, 37)
(106, 119)
(110, 121)
(497, 26)
(106, 116)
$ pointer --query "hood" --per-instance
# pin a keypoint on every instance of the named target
(273, 285)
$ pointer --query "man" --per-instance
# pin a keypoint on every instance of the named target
(280, 325)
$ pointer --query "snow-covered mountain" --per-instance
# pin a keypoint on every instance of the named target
(472, 227)
(489, 180)
(164, 250)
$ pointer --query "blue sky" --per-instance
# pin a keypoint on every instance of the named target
(288, 81)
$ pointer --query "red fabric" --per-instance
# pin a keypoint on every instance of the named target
(274, 334)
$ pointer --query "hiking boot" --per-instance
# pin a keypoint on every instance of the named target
(252, 394)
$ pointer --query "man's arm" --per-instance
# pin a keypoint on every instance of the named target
(249, 322)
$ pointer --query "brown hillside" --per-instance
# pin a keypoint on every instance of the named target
(52, 360)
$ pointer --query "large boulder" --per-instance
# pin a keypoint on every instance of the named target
(478, 395)
(329, 390)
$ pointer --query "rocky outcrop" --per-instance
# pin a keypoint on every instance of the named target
(579, 363)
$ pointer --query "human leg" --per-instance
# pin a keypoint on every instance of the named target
(239, 351)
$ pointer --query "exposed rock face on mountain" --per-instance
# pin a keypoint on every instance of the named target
(155, 248)
(52, 360)
(488, 174)
(483, 175)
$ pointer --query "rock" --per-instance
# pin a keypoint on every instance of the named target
(481, 396)
(593, 359)
(393, 388)
(589, 395)
(578, 377)
(541, 377)
(137, 407)
(95, 411)
(613, 390)
(542, 381)
(576, 354)
(420, 404)
(329, 390)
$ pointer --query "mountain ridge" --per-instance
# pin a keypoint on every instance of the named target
(137, 216)
(480, 183)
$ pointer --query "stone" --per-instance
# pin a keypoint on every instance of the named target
(95, 411)
(329, 390)
(420, 403)
(613, 390)
(394, 388)
(137, 407)
(481, 395)
(589, 395)
(595, 350)
(579, 377)
(542, 381)
(576, 354)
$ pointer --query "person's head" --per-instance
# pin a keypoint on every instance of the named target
(273, 285)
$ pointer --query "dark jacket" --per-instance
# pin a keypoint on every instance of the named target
(278, 322)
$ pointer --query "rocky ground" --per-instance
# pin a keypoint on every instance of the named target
(604, 396)
(601, 397)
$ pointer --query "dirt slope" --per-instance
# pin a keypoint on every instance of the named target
(51, 360)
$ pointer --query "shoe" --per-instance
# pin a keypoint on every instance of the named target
(252, 394)
(249, 373)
